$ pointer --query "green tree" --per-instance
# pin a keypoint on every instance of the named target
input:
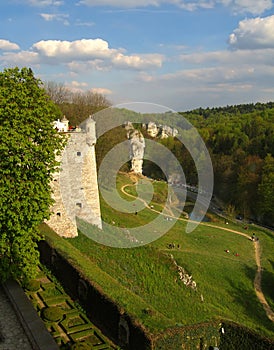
(249, 176)
(28, 149)
(266, 190)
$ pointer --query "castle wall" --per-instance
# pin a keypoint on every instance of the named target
(75, 187)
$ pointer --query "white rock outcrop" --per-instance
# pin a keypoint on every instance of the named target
(137, 146)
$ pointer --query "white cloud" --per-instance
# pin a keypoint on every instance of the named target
(55, 17)
(84, 24)
(83, 49)
(44, 3)
(253, 34)
(186, 4)
(121, 3)
(6, 45)
(102, 91)
(206, 87)
(95, 51)
(137, 61)
(209, 79)
(255, 7)
(76, 86)
(229, 58)
(203, 78)
(79, 67)
(80, 56)
(22, 58)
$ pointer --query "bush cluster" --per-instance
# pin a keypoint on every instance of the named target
(52, 314)
(32, 285)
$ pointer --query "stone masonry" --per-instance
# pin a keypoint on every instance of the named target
(75, 187)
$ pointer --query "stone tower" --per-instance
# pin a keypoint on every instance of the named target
(75, 187)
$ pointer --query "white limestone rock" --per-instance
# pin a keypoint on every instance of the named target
(137, 146)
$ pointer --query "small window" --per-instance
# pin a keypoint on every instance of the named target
(78, 154)
(58, 214)
(79, 205)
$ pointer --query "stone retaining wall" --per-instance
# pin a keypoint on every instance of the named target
(101, 310)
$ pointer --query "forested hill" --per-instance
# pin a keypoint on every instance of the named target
(239, 138)
(241, 142)
(234, 109)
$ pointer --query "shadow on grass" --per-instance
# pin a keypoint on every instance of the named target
(248, 303)
(267, 285)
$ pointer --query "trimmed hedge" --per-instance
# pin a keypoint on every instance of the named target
(52, 314)
(80, 346)
(32, 285)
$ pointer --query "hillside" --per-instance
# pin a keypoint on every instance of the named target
(240, 140)
(220, 259)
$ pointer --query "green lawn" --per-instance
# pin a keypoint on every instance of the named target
(148, 277)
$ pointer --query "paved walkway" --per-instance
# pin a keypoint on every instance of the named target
(10, 327)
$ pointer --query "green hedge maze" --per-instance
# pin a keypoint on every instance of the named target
(66, 322)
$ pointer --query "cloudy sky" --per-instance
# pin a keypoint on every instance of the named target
(182, 54)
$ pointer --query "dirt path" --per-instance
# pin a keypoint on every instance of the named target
(167, 207)
(257, 283)
(258, 276)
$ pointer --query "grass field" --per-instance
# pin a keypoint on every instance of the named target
(148, 275)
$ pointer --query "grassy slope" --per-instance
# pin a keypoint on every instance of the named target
(224, 280)
(105, 282)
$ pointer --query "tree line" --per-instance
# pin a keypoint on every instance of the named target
(75, 105)
(240, 140)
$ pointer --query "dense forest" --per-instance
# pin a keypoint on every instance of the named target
(240, 140)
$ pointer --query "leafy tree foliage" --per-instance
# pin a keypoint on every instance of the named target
(27, 152)
(241, 141)
(266, 190)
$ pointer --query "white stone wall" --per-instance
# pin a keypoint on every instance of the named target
(75, 187)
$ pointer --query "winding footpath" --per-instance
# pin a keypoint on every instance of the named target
(257, 284)
(258, 276)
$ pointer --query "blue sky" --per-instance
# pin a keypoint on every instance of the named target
(182, 54)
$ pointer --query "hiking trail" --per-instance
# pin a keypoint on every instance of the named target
(258, 275)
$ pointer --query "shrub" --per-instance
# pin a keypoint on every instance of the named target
(52, 313)
(32, 285)
(80, 346)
